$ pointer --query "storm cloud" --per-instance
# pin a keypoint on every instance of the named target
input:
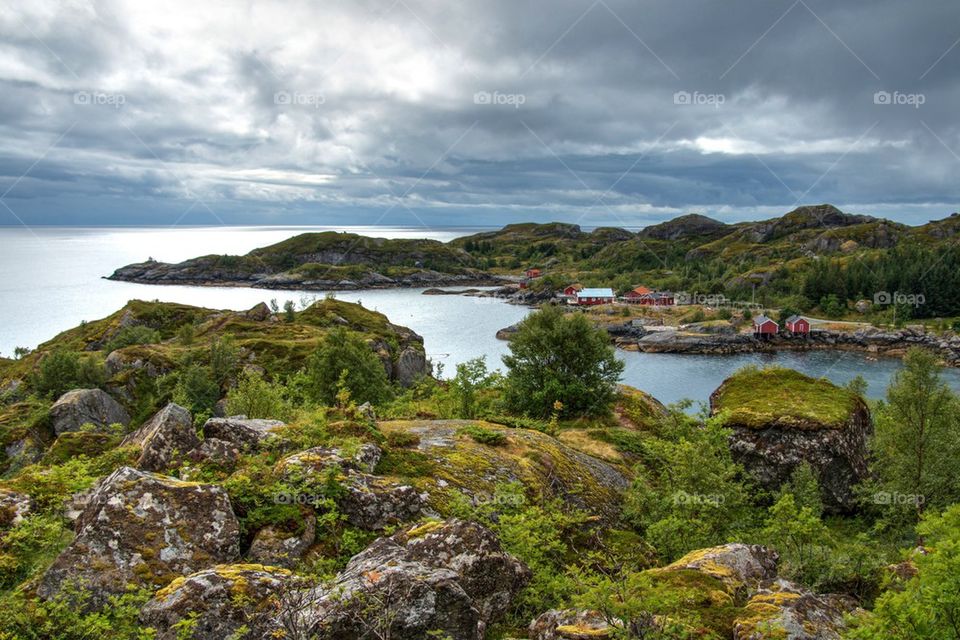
(422, 112)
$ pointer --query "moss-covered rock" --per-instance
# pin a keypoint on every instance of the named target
(781, 418)
(781, 610)
(447, 460)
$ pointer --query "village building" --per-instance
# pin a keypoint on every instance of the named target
(595, 296)
(764, 326)
(643, 295)
(798, 325)
(570, 291)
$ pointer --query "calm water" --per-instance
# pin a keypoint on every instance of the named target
(52, 279)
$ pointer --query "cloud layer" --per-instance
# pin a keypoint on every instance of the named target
(422, 112)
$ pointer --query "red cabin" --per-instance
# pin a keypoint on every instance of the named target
(595, 296)
(648, 297)
(798, 324)
(764, 326)
(532, 273)
(571, 291)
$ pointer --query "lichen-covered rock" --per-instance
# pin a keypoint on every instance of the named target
(259, 312)
(451, 577)
(570, 624)
(246, 433)
(165, 439)
(410, 365)
(781, 419)
(447, 459)
(86, 406)
(216, 451)
(782, 610)
(275, 546)
(144, 529)
(13, 507)
(219, 601)
(740, 567)
(367, 501)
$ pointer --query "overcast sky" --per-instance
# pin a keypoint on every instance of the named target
(475, 113)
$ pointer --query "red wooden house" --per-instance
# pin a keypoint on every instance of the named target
(798, 325)
(764, 326)
(595, 296)
(571, 290)
(636, 295)
(533, 273)
(643, 295)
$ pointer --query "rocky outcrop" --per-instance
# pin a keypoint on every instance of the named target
(13, 507)
(692, 225)
(86, 406)
(367, 501)
(165, 439)
(796, 419)
(450, 459)
(740, 567)
(570, 624)
(781, 610)
(219, 602)
(143, 529)
(451, 577)
(213, 450)
(410, 365)
(246, 433)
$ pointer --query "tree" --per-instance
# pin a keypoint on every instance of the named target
(472, 379)
(917, 439)
(224, 360)
(800, 537)
(196, 390)
(927, 607)
(62, 370)
(560, 357)
(344, 351)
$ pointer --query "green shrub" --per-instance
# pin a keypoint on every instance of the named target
(255, 397)
(482, 435)
(127, 336)
(343, 359)
(61, 371)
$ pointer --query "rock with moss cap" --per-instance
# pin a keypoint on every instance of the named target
(144, 529)
(452, 577)
(741, 568)
(781, 610)
(218, 602)
(86, 406)
(165, 439)
(281, 547)
(781, 418)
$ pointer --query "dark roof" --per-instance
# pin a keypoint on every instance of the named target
(794, 318)
(762, 319)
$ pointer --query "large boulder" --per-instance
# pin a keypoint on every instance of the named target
(164, 439)
(367, 501)
(86, 406)
(781, 418)
(13, 507)
(449, 577)
(246, 433)
(740, 568)
(781, 610)
(144, 529)
(276, 546)
(411, 365)
(219, 601)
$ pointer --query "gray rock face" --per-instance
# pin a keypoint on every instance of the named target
(166, 438)
(81, 406)
(368, 501)
(411, 364)
(451, 577)
(785, 611)
(221, 599)
(244, 432)
(741, 567)
(216, 451)
(141, 528)
(838, 456)
(273, 546)
(13, 507)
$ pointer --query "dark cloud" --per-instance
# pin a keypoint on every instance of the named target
(477, 113)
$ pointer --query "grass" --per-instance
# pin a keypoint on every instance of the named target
(758, 398)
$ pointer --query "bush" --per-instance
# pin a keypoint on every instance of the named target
(482, 435)
(196, 389)
(555, 357)
(61, 371)
(255, 397)
(137, 334)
